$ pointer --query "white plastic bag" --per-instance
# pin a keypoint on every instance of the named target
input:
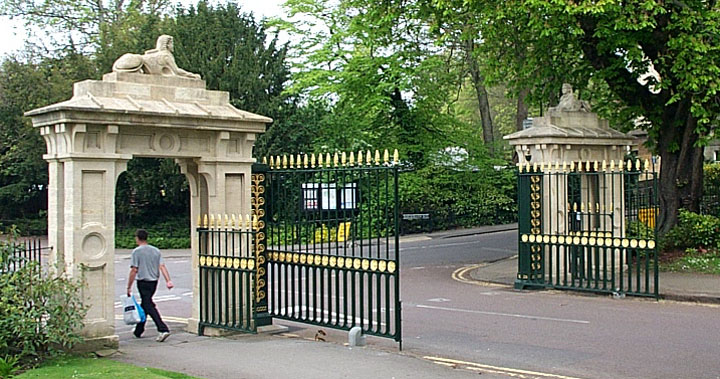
(132, 311)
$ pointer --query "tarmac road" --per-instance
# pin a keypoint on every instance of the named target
(452, 320)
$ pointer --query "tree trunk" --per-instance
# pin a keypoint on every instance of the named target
(681, 166)
(522, 109)
(481, 94)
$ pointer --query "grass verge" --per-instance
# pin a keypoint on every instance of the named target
(80, 367)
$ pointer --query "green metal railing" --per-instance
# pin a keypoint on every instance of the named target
(228, 267)
(331, 227)
(588, 227)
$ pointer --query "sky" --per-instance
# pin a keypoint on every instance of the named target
(12, 32)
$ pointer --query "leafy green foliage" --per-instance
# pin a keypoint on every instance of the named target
(166, 233)
(460, 198)
(9, 365)
(40, 316)
(694, 231)
(638, 229)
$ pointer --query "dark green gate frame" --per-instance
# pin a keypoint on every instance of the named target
(331, 228)
(588, 227)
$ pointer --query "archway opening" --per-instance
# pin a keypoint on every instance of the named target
(154, 195)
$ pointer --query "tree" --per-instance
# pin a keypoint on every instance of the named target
(25, 86)
(608, 48)
(231, 51)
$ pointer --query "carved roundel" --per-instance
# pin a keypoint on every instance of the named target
(94, 246)
(166, 142)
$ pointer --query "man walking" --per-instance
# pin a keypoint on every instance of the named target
(146, 264)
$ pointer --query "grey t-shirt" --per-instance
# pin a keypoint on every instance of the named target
(147, 259)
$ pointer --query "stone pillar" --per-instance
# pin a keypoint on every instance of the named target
(87, 208)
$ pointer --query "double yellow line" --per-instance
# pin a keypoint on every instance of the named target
(479, 367)
(460, 275)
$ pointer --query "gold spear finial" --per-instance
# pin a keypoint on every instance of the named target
(233, 221)
(298, 160)
(360, 158)
(205, 221)
(575, 207)
(312, 160)
(343, 159)
(199, 223)
(328, 162)
(352, 159)
(564, 168)
(637, 165)
(285, 161)
(557, 166)
(227, 220)
(292, 161)
(629, 165)
(386, 157)
(212, 221)
(265, 160)
(520, 167)
(647, 165)
(368, 158)
(612, 165)
(604, 165)
(255, 222)
(272, 162)
(377, 157)
(320, 160)
(572, 166)
(535, 167)
(621, 165)
(336, 159)
(248, 223)
(596, 165)
(305, 160)
(396, 157)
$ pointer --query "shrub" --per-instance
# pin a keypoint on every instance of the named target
(460, 198)
(172, 233)
(40, 316)
(694, 231)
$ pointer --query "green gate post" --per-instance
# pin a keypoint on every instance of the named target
(523, 189)
(259, 177)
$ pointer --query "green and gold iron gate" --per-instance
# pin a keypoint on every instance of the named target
(232, 273)
(588, 226)
(331, 227)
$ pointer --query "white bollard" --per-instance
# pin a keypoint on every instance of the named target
(355, 337)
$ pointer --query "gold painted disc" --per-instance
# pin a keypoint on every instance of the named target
(391, 267)
(524, 238)
(222, 262)
(553, 239)
(303, 259)
(296, 258)
(546, 239)
(576, 240)
(348, 262)
(341, 262)
(642, 244)
(633, 243)
(310, 259)
(365, 264)
(318, 259)
(333, 261)
(592, 241)
(625, 243)
(357, 263)
(236, 262)
(243, 263)
(216, 261)
(382, 266)
(617, 242)
(282, 257)
(532, 238)
(651, 244)
(251, 264)
(561, 240)
(276, 257)
(373, 265)
(325, 260)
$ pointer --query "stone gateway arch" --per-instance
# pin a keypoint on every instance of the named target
(147, 107)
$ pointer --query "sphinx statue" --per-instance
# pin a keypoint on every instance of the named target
(569, 103)
(158, 61)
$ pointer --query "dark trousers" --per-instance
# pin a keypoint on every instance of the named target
(147, 290)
